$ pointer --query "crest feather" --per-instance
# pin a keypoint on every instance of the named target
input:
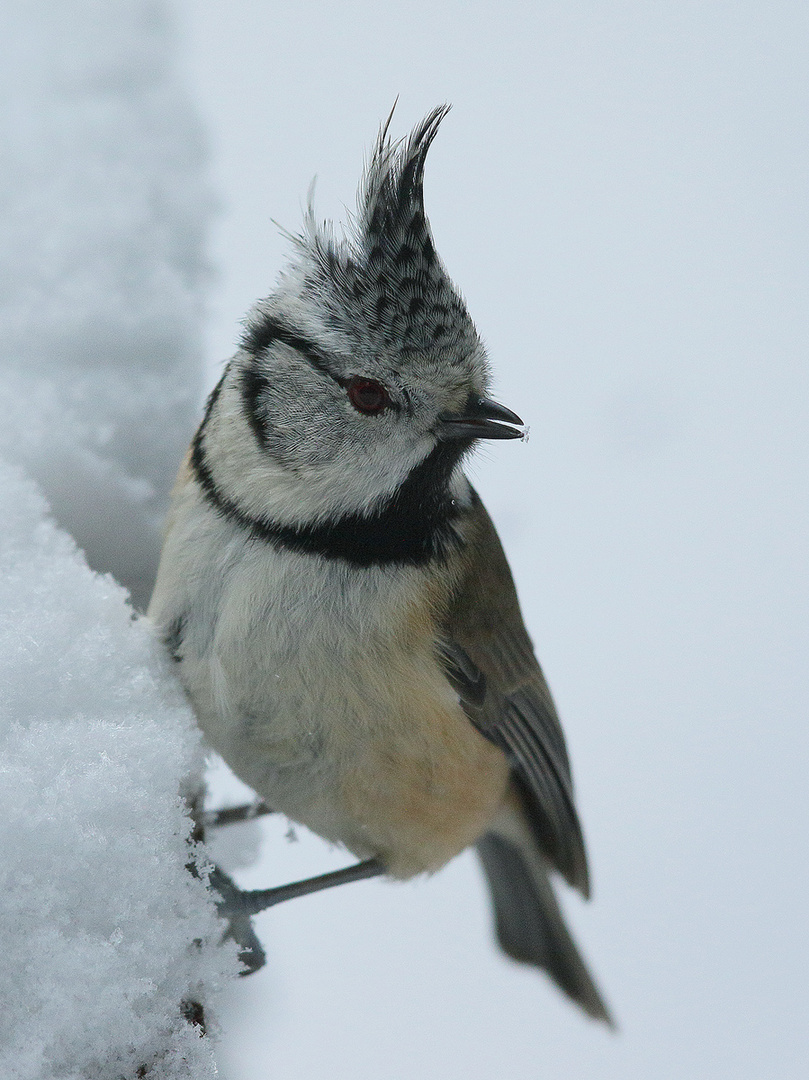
(393, 271)
(392, 193)
(382, 281)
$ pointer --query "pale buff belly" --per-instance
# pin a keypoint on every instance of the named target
(378, 757)
(333, 707)
(421, 795)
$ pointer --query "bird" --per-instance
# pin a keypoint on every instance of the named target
(335, 596)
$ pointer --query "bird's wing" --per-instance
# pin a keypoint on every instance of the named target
(488, 658)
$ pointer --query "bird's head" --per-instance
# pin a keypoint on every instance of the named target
(364, 364)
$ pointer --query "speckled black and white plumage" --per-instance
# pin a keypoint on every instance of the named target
(383, 284)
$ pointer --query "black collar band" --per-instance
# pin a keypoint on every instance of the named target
(415, 525)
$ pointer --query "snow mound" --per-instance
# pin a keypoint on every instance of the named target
(104, 932)
(103, 208)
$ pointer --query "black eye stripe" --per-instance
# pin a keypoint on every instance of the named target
(260, 335)
(253, 383)
(263, 333)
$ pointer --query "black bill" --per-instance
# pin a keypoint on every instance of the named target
(481, 419)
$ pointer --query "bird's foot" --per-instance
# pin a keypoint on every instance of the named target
(238, 905)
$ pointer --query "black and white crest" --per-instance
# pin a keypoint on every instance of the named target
(383, 282)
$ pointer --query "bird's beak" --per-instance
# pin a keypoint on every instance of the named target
(481, 419)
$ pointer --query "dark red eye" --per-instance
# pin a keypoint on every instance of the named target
(367, 396)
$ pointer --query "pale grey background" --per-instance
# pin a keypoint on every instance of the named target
(620, 192)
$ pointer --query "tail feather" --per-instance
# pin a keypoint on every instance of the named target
(530, 927)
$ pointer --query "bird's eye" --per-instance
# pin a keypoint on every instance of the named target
(367, 396)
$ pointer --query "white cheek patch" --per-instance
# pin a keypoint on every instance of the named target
(244, 472)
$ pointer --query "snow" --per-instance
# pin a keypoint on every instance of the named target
(103, 205)
(100, 914)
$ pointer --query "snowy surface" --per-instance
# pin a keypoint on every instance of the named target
(102, 215)
(100, 915)
(620, 192)
(102, 205)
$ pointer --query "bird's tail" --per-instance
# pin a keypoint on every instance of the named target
(530, 927)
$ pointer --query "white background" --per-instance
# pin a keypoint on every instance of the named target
(620, 192)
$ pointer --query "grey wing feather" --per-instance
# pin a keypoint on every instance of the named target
(485, 634)
(465, 677)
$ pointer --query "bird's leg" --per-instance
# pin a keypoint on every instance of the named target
(230, 815)
(237, 902)
(240, 928)
(236, 905)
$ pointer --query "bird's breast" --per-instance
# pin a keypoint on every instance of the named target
(321, 687)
